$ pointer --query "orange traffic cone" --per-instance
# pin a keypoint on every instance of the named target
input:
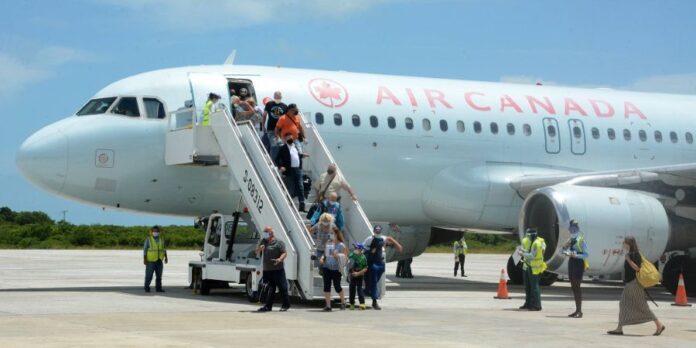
(681, 294)
(502, 287)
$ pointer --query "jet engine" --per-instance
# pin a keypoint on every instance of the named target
(605, 215)
(413, 240)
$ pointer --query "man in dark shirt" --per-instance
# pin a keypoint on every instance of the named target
(271, 113)
(274, 254)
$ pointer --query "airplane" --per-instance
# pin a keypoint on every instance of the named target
(430, 155)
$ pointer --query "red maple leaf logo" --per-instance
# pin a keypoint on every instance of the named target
(322, 90)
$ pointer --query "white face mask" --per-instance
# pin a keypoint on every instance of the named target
(264, 235)
(155, 234)
(278, 100)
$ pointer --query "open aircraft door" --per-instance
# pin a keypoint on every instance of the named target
(202, 84)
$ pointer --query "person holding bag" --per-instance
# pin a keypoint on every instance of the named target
(633, 307)
(331, 261)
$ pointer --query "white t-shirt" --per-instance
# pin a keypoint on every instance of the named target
(294, 156)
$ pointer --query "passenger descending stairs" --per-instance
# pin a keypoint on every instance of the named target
(270, 204)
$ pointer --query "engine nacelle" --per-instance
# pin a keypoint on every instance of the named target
(605, 216)
(413, 240)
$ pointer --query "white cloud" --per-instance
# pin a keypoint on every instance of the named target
(675, 83)
(202, 15)
(18, 72)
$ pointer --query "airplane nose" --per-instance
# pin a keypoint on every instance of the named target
(43, 159)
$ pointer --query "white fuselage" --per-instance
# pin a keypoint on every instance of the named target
(452, 173)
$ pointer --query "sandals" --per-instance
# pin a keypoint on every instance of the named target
(659, 332)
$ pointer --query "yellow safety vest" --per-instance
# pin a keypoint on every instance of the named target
(155, 250)
(459, 248)
(578, 247)
(537, 262)
(206, 113)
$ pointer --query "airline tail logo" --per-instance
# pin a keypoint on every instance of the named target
(328, 92)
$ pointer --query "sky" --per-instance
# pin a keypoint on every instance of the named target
(54, 55)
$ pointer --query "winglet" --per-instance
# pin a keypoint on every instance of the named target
(230, 58)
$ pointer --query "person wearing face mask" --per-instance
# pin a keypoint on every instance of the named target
(154, 252)
(290, 124)
(575, 249)
(532, 253)
(320, 233)
(208, 108)
(331, 206)
(334, 250)
(272, 111)
(289, 162)
(633, 307)
(376, 261)
(274, 254)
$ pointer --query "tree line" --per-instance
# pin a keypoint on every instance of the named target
(36, 230)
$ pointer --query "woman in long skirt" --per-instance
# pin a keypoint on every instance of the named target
(633, 308)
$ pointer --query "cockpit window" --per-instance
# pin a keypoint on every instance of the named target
(96, 106)
(127, 106)
(154, 108)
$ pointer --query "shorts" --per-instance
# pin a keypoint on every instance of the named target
(330, 276)
(576, 269)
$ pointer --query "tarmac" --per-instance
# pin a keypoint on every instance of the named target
(67, 298)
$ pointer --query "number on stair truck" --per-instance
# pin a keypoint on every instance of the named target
(253, 192)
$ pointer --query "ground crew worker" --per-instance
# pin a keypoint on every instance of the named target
(576, 251)
(208, 108)
(154, 252)
(460, 250)
(532, 252)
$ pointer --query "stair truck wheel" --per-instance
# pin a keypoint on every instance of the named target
(251, 295)
(205, 286)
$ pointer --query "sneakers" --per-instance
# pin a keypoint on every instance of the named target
(160, 290)
(363, 307)
(352, 307)
(284, 309)
(147, 289)
(302, 208)
(263, 309)
(327, 309)
(343, 306)
(376, 306)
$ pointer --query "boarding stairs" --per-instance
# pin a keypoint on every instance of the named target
(237, 147)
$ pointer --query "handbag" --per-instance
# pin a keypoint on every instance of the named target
(647, 276)
(317, 204)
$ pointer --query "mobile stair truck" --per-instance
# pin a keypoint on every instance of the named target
(228, 253)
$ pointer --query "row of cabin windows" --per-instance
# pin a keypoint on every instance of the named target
(643, 135)
(425, 123)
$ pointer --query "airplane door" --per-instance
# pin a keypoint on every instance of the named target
(577, 137)
(551, 135)
(201, 85)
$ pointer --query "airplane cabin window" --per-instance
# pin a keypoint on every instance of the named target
(374, 122)
(319, 118)
(577, 132)
(551, 130)
(511, 129)
(426, 124)
(338, 120)
(409, 123)
(627, 134)
(527, 129)
(658, 136)
(673, 137)
(595, 133)
(460, 126)
(96, 106)
(356, 120)
(477, 127)
(689, 138)
(611, 134)
(391, 122)
(154, 108)
(443, 125)
(642, 135)
(494, 128)
(127, 106)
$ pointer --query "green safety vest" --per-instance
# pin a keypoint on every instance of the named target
(459, 248)
(206, 113)
(578, 246)
(155, 250)
(537, 261)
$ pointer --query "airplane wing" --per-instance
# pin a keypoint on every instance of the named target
(674, 185)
